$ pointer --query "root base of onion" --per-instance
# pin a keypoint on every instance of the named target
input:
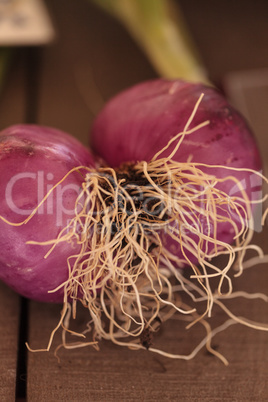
(124, 272)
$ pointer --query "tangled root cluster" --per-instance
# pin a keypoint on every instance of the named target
(138, 226)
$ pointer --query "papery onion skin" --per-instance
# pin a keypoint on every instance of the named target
(32, 160)
(140, 121)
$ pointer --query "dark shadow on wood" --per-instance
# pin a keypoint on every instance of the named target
(21, 383)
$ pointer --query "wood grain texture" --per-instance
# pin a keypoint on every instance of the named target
(113, 373)
(9, 328)
(91, 60)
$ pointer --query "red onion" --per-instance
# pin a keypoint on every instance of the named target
(181, 183)
(32, 160)
(139, 122)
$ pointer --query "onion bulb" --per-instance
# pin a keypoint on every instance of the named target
(138, 124)
(32, 160)
(179, 186)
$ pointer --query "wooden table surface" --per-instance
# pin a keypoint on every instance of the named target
(64, 85)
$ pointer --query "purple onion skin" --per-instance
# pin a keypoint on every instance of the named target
(32, 160)
(140, 121)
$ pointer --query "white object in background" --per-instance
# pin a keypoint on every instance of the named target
(24, 22)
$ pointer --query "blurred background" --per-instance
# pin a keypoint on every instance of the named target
(83, 52)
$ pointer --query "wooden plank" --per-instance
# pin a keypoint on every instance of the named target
(69, 97)
(12, 111)
(9, 326)
(115, 374)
